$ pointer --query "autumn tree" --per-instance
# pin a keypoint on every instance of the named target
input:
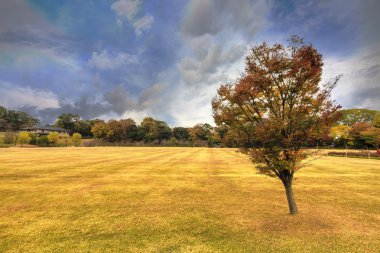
(155, 130)
(23, 138)
(149, 127)
(276, 104)
(341, 134)
(66, 138)
(129, 129)
(356, 133)
(53, 138)
(371, 137)
(76, 139)
(100, 129)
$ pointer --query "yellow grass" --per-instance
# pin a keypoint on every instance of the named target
(181, 200)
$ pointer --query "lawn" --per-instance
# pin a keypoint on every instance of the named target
(114, 199)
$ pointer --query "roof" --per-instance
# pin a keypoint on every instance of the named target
(50, 128)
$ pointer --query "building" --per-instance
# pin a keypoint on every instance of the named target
(45, 130)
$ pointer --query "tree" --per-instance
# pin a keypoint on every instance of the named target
(129, 129)
(181, 133)
(276, 104)
(53, 138)
(100, 130)
(155, 130)
(163, 131)
(376, 120)
(115, 132)
(76, 139)
(356, 133)
(23, 138)
(371, 137)
(341, 133)
(67, 121)
(65, 138)
(148, 125)
(84, 127)
(11, 120)
(351, 116)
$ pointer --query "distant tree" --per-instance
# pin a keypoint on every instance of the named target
(193, 135)
(197, 133)
(163, 131)
(341, 135)
(66, 138)
(129, 129)
(67, 121)
(100, 130)
(214, 139)
(356, 134)
(376, 120)
(276, 104)
(371, 137)
(84, 127)
(76, 139)
(115, 131)
(11, 120)
(23, 138)
(155, 130)
(173, 141)
(53, 138)
(352, 116)
(181, 133)
(203, 131)
(3, 119)
(150, 129)
(43, 141)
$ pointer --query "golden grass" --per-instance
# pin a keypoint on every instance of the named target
(181, 200)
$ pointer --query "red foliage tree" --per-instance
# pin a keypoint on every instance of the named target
(277, 105)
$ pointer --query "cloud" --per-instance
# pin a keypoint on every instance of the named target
(118, 100)
(143, 23)
(218, 16)
(16, 97)
(207, 58)
(360, 84)
(126, 8)
(215, 34)
(201, 18)
(151, 97)
(25, 16)
(104, 61)
(129, 9)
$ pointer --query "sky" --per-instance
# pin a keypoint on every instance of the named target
(165, 59)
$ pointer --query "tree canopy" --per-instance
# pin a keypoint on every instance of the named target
(11, 120)
(276, 105)
(351, 116)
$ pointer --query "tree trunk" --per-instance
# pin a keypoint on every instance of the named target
(289, 195)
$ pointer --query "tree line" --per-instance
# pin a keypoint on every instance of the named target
(355, 128)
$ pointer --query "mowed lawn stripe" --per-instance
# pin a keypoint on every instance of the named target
(124, 199)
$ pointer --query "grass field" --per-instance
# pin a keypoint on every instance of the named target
(181, 200)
